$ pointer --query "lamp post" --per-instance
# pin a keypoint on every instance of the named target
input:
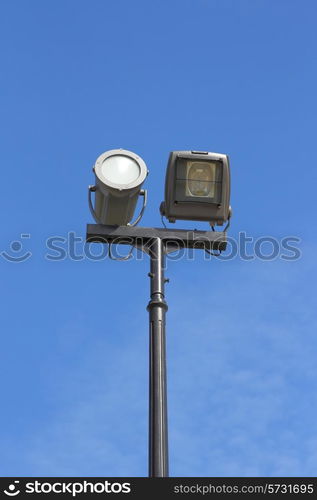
(202, 179)
(157, 307)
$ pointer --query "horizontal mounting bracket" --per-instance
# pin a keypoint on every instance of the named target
(140, 237)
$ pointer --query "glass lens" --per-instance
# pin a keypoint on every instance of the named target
(120, 169)
(201, 179)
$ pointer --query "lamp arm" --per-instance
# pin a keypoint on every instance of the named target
(92, 189)
(143, 193)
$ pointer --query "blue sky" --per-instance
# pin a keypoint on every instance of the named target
(79, 78)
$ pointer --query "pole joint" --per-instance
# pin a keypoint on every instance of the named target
(158, 302)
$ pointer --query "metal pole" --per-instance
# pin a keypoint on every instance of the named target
(158, 436)
(151, 240)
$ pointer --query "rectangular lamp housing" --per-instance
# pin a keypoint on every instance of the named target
(197, 187)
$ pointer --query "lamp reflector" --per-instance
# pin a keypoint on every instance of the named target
(120, 169)
(201, 178)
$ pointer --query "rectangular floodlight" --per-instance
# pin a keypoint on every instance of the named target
(197, 187)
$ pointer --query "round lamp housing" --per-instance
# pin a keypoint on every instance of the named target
(119, 176)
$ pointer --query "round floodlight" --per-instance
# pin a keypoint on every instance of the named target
(120, 169)
(119, 177)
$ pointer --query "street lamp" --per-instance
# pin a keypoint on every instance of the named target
(119, 176)
(197, 188)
